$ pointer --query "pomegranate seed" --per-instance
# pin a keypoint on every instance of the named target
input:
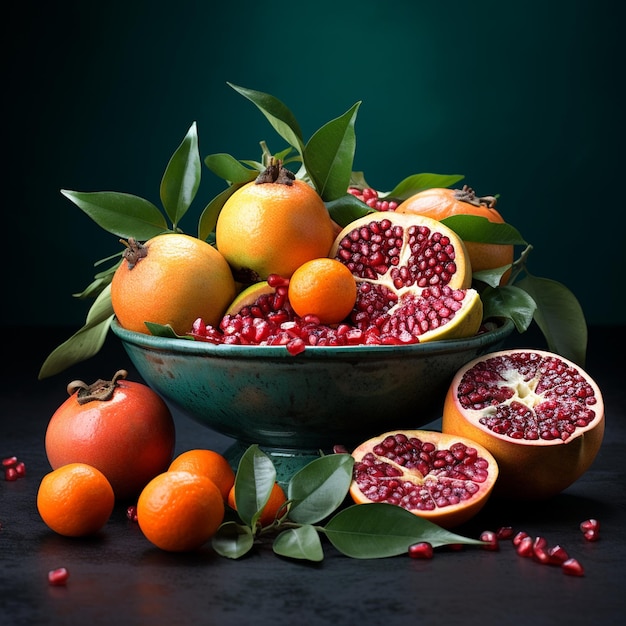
(540, 552)
(590, 524)
(558, 555)
(491, 540)
(519, 537)
(10, 461)
(58, 576)
(421, 550)
(572, 567)
(505, 532)
(131, 513)
(10, 474)
(20, 469)
(525, 547)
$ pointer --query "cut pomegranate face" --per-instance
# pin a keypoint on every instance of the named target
(446, 479)
(413, 277)
(540, 415)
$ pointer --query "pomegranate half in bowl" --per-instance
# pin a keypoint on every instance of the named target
(293, 406)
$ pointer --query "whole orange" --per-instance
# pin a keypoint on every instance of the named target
(323, 287)
(171, 279)
(206, 463)
(440, 203)
(179, 511)
(121, 427)
(539, 414)
(273, 505)
(272, 226)
(75, 500)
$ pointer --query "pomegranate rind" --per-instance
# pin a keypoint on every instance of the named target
(530, 469)
(249, 296)
(450, 515)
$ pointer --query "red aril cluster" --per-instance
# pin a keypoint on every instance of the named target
(371, 197)
(13, 468)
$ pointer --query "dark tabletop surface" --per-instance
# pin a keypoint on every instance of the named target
(119, 578)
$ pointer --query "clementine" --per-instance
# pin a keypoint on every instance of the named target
(272, 507)
(75, 500)
(171, 279)
(179, 511)
(323, 287)
(272, 226)
(206, 463)
(122, 427)
(440, 203)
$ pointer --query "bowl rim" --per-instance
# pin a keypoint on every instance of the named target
(207, 349)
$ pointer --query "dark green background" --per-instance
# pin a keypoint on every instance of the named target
(523, 98)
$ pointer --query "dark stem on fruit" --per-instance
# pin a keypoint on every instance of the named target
(467, 194)
(275, 173)
(134, 252)
(100, 390)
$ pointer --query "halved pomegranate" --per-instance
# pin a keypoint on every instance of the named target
(413, 277)
(443, 478)
(540, 415)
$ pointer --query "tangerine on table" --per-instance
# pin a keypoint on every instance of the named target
(272, 506)
(75, 500)
(171, 279)
(323, 287)
(179, 511)
(207, 463)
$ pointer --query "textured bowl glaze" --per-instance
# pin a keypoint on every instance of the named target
(312, 401)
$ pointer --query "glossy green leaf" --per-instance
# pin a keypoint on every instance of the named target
(165, 330)
(493, 276)
(229, 168)
(378, 530)
(415, 183)
(559, 316)
(299, 543)
(232, 540)
(86, 342)
(100, 282)
(208, 219)
(279, 116)
(319, 488)
(181, 179)
(122, 214)
(254, 482)
(347, 208)
(509, 301)
(329, 154)
(477, 228)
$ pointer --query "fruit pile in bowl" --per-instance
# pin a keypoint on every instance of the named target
(310, 310)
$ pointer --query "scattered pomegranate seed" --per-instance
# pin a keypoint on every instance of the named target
(540, 550)
(10, 474)
(572, 567)
(13, 468)
(505, 532)
(10, 461)
(421, 550)
(131, 513)
(491, 540)
(557, 555)
(590, 524)
(519, 537)
(20, 469)
(58, 577)
(525, 547)
(591, 535)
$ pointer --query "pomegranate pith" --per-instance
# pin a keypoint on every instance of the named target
(540, 415)
(444, 479)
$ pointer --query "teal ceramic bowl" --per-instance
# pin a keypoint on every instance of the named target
(299, 405)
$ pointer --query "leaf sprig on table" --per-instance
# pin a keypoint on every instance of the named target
(325, 161)
(314, 510)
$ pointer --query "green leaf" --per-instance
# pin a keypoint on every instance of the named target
(181, 180)
(86, 342)
(493, 276)
(208, 219)
(559, 316)
(232, 540)
(299, 543)
(347, 208)
(99, 283)
(477, 228)
(165, 330)
(254, 482)
(329, 154)
(418, 182)
(229, 168)
(319, 488)
(379, 530)
(509, 301)
(122, 214)
(279, 116)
